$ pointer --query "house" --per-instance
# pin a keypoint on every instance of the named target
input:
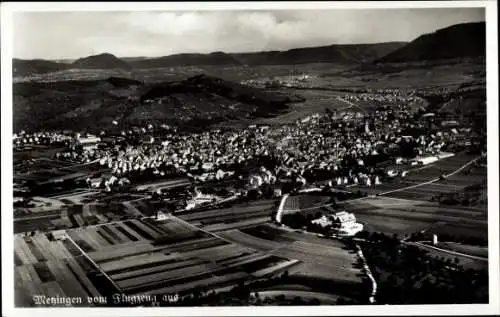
(207, 166)
(94, 182)
(343, 223)
(200, 199)
(324, 221)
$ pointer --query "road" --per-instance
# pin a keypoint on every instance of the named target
(458, 170)
(393, 190)
(420, 244)
(368, 272)
(190, 225)
(36, 217)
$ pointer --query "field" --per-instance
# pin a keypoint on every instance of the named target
(237, 215)
(146, 256)
(52, 268)
(423, 183)
(316, 101)
(406, 217)
(306, 203)
(465, 249)
(404, 207)
(78, 209)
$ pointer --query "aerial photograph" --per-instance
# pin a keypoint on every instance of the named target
(250, 158)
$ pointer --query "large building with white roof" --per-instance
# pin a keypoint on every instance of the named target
(343, 223)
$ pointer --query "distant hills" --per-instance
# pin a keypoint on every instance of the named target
(457, 41)
(340, 54)
(217, 58)
(40, 66)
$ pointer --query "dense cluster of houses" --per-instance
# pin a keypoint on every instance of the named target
(341, 148)
(276, 82)
(23, 139)
(377, 99)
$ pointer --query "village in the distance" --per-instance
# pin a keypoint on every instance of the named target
(254, 178)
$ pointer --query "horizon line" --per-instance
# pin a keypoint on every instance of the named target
(199, 53)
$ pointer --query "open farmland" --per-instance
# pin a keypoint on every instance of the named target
(389, 215)
(243, 214)
(146, 256)
(78, 209)
(316, 101)
(53, 268)
(422, 183)
(309, 249)
(306, 203)
(155, 257)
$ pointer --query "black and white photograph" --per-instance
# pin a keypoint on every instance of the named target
(250, 158)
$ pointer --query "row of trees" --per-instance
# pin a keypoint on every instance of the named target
(406, 274)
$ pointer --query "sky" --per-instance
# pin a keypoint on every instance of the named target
(71, 35)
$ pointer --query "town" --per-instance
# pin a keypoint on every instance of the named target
(346, 174)
(257, 176)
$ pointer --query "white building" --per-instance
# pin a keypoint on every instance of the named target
(343, 223)
(199, 199)
(87, 143)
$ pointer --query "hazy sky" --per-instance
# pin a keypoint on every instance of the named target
(59, 35)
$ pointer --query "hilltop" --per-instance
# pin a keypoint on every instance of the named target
(105, 61)
(457, 41)
(341, 54)
(101, 61)
(216, 58)
(94, 104)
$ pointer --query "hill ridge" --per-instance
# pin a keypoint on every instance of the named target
(457, 41)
